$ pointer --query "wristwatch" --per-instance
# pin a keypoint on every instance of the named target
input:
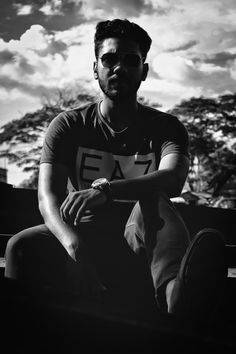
(103, 185)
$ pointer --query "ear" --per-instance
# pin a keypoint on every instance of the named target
(145, 71)
(95, 70)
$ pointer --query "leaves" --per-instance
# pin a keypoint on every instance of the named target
(212, 132)
(209, 121)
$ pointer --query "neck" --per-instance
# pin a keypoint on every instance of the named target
(118, 112)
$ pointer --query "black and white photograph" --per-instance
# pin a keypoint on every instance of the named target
(118, 176)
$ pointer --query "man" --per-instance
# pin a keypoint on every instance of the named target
(116, 150)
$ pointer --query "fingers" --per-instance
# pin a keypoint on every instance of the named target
(80, 213)
(70, 207)
(64, 209)
(76, 203)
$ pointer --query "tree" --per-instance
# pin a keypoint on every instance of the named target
(209, 121)
(211, 127)
(21, 140)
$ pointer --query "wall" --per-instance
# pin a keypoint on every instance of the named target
(19, 209)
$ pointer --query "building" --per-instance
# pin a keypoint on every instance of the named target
(3, 175)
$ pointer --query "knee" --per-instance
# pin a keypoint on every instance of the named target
(154, 201)
(15, 248)
(150, 207)
(150, 203)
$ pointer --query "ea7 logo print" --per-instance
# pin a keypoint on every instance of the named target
(92, 164)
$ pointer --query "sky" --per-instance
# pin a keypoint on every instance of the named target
(47, 46)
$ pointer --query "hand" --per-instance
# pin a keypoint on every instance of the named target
(76, 203)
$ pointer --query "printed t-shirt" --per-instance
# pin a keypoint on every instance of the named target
(81, 140)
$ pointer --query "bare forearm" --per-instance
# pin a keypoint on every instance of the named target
(165, 181)
(168, 179)
(64, 232)
(79, 263)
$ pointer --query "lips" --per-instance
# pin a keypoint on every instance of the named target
(118, 80)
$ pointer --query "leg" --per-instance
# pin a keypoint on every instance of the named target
(156, 225)
(35, 256)
(115, 262)
(200, 284)
(188, 277)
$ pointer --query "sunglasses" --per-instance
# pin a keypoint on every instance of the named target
(109, 60)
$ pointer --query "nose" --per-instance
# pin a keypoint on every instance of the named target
(120, 66)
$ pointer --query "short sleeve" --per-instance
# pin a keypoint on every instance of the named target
(175, 137)
(58, 146)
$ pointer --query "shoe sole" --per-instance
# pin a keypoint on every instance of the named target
(201, 279)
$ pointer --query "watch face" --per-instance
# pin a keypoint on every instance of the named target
(99, 181)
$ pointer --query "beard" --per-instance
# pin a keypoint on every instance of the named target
(119, 89)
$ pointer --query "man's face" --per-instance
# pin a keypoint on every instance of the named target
(120, 68)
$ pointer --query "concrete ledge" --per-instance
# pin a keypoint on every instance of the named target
(2, 262)
(231, 271)
(20, 210)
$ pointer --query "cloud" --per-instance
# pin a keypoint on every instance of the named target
(221, 59)
(52, 8)
(35, 41)
(189, 78)
(6, 56)
(168, 93)
(184, 46)
(92, 9)
(37, 57)
(233, 70)
(15, 103)
(176, 68)
(34, 65)
(173, 67)
(46, 45)
(198, 25)
(53, 15)
(11, 85)
(23, 65)
(165, 86)
(35, 38)
(23, 10)
(193, 50)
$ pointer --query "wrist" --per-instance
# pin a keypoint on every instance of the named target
(72, 250)
(104, 186)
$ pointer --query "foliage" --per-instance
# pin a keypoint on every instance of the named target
(22, 139)
(209, 121)
(212, 132)
(32, 181)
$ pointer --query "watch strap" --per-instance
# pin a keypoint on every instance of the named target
(104, 186)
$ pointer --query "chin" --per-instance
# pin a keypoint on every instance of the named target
(118, 96)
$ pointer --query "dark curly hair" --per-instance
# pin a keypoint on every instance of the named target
(123, 29)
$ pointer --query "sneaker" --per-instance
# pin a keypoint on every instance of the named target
(201, 280)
